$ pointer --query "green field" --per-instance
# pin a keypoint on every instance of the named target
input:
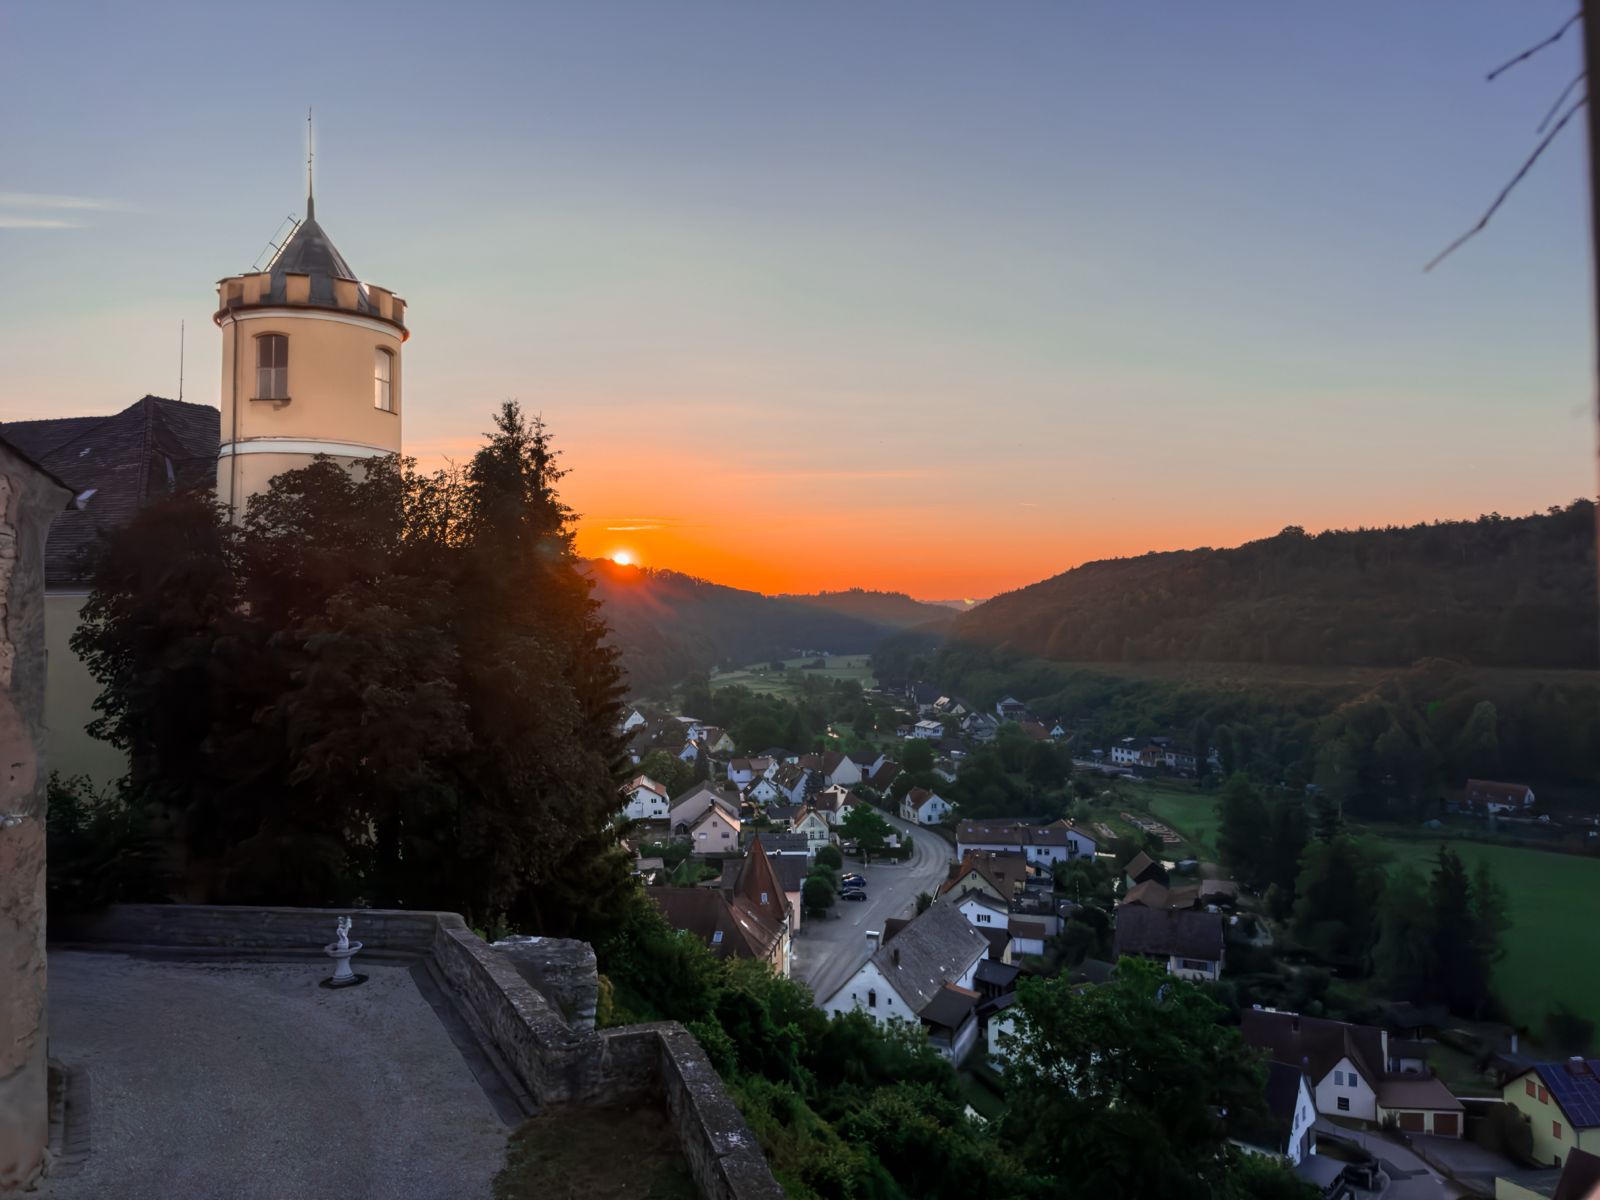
(761, 678)
(1553, 948)
(1189, 813)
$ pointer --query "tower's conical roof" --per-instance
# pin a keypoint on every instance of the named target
(310, 251)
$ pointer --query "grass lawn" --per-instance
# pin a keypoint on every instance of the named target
(1553, 947)
(577, 1154)
(1189, 813)
(761, 678)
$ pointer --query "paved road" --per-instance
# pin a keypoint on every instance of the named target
(828, 951)
(1410, 1178)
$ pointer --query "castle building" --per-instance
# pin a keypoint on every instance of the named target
(311, 364)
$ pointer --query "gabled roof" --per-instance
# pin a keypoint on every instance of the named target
(997, 974)
(935, 948)
(1283, 1090)
(1163, 931)
(1002, 870)
(1416, 1092)
(758, 885)
(691, 806)
(644, 783)
(1139, 866)
(728, 930)
(1580, 1177)
(116, 464)
(1312, 1044)
(950, 1007)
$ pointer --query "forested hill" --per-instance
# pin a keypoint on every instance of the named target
(895, 610)
(668, 625)
(1497, 591)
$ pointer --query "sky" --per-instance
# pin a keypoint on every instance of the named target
(934, 297)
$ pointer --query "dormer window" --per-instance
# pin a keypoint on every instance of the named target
(383, 379)
(272, 367)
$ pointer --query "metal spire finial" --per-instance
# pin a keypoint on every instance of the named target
(311, 200)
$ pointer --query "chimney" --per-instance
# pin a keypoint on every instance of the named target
(895, 953)
(876, 938)
(1577, 1066)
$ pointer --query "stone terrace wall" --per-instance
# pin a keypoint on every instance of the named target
(519, 1022)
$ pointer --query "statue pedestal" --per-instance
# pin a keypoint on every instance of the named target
(343, 976)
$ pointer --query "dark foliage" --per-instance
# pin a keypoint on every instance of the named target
(1496, 591)
(381, 688)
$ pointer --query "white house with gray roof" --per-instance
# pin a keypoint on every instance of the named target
(923, 974)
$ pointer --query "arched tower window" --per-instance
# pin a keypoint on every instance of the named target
(383, 379)
(272, 367)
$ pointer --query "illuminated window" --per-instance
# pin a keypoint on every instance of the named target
(383, 379)
(272, 367)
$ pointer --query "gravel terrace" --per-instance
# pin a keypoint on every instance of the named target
(212, 1081)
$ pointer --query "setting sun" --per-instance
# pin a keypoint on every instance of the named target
(623, 558)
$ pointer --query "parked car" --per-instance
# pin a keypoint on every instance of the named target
(857, 894)
(852, 880)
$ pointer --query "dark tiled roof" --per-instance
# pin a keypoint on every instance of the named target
(1183, 932)
(999, 940)
(126, 459)
(1283, 1090)
(996, 974)
(949, 1007)
(1580, 1177)
(735, 930)
(933, 949)
(1313, 1044)
(1138, 865)
(310, 251)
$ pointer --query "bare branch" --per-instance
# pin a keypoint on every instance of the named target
(1532, 50)
(1506, 191)
(1560, 100)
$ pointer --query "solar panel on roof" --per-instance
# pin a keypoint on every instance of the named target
(1577, 1094)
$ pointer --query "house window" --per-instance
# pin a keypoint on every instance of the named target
(724, 837)
(1528, 1084)
(383, 379)
(1555, 1129)
(716, 937)
(763, 897)
(272, 367)
(1344, 1103)
(872, 997)
(1544, 1094)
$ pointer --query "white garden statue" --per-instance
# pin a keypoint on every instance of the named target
(342, 950)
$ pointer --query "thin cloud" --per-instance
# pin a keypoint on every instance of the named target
(630, 528)
(801, 473)
(12, 221)
(42, 200)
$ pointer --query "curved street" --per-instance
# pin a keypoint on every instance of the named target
(828, 950)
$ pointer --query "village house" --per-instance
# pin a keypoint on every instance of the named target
(634, 720)
(887, 772)
(717, 740)
(1187, 942)
(761, 792)
(687, 808)
(1292, 1113)
(834, 768)
(1486, 798)
(742, 772)
(1042, 845)
(1011, 709)
(980, 726)
(833, 804)
(646, 800)
(1351, 1073)
(923, 807)
(747, 917)
(793, 782)
(923, 974)
(1560, 1101)
(997, 874)
(714, 831)
(790, 870)
(1142, 868)
(928, 731)
(802, 820)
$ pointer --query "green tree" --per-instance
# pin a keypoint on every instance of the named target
(869, 831)
(1244, 832)
(817, 894)
(1405, 938)
(1120, 1090)
(829, 857)
(667, 769)
(1337, 894)
(1476, 750)
(916, 757)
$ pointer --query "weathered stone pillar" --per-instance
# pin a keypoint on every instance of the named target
(29, 498)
